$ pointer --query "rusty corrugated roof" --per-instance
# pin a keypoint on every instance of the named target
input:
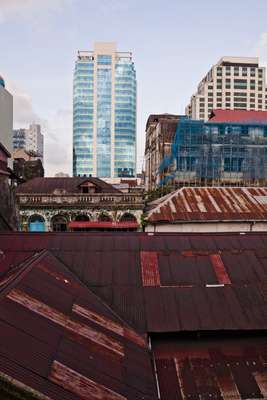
(212, 204)
(75, 309)
(61, 340)
(211, 368)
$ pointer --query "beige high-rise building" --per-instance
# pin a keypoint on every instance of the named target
(235, 83)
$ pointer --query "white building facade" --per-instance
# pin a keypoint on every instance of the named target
(235, 83)
(31, 140)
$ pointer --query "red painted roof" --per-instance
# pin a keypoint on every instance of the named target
(103, 225)
(212, 204)
(242, 116)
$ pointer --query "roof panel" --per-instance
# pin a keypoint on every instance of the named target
(211, 204)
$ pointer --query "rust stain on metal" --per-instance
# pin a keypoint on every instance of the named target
(211, 203)
(261, 379)
(228, 386)
(195, 253)
(219, 269)
(98, 319)
(150, 268)
(59, 277)
(109, 324)
(63, 320)
(85, 388)
(180, 378)
(188, 253)
(134, 337)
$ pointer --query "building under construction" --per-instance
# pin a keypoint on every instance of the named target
(229, 149)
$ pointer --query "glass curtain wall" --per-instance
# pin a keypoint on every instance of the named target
(125, 118)
(104, 97)
(83, 105)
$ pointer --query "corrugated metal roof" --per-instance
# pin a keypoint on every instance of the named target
(208, 368)
(241, 116)
(60, 339)
(212, 204)
(75, 310)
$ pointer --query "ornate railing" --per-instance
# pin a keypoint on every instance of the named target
(80, 199)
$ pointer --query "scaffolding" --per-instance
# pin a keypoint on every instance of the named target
(210, 154)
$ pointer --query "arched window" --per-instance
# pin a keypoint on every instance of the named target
(36, 223)
(59, 223)
(104, 218)
(82, 217)
(128, 217)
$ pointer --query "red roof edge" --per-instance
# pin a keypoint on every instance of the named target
(103, 224)
(252, 116)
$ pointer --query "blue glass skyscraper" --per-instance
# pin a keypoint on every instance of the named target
(104, 113)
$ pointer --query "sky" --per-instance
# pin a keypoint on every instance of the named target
(174, 43)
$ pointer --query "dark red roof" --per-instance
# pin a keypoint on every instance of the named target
(75, 309)
(61, 340)
(241, 116)
(68, 184)
(211, 204)
(211, 368)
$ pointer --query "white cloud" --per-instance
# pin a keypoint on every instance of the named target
(22, 106)
(57, 130)
(58, 142)
(27, 8)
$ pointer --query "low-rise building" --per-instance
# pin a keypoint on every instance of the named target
(61, 204)
(160, 132)
(26, 165)
(31, 140)
(210, 209)
(229, 149)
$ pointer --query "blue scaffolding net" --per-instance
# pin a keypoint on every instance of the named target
(216, 153)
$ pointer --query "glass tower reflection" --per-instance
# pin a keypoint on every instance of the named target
(104, 113)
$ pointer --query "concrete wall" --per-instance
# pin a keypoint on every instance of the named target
(6, 120)
(199, 227)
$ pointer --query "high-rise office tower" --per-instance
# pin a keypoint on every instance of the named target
(30, 139)
(104, 113)
(235, 83)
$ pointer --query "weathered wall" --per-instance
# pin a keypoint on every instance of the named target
(195, 227)
(8, 209)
